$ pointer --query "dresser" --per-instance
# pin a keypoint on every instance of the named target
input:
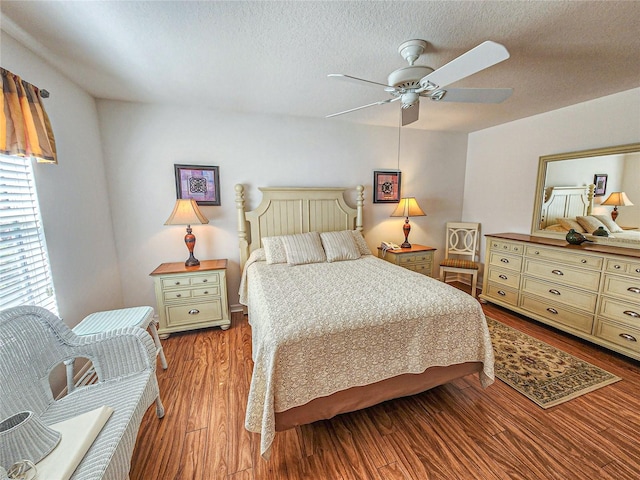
(191, 297)
(418, 258)
(591, 291)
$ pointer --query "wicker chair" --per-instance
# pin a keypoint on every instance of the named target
(33, 341)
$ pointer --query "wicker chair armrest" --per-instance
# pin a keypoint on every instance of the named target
(118, 353)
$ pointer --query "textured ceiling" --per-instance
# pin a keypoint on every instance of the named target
(273, 57)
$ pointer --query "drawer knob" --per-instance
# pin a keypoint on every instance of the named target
(554, 291)
(178, 295)
(204, 281)
(206, 292)
(628, 337)
(503, 277)
(634, 289)
(557, 272)
(194, 311)
(632, 314)
(177, 283)
(583, 261)
(537, 252)
(500, 292)
(552, 310)
(504, 260)
(637, 270)
(617, 267)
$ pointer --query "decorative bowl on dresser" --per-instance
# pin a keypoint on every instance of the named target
(591, 290)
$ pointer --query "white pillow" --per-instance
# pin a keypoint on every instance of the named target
(612, 226)
(274, 250)
(360, 242)
(591, 224)
(304, 248)
(339, 246)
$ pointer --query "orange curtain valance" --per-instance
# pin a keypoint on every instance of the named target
(25, 129)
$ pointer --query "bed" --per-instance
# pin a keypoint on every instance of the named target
(567, 207)
(334, 336)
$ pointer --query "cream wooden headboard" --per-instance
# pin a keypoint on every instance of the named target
(286, 211)
(562, 202)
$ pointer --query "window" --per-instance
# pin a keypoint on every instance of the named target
(25, 274)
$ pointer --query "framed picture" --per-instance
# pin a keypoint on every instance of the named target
(386, 187)
(600, 181)
(198, 182)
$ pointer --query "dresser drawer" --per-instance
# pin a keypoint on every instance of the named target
(423, 268)
(194, 313)
(622, 287)
(502, 260)
(502, 246)
(558, 314)
(560, 294)
(504, 277)
(619, 334)
(564, 256)
(213, 290)
(177, 281)
(554, 272)
(502, 293)
(630, 268)
(622, 312)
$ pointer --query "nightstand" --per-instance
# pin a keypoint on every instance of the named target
(191, 297)
(418, 258)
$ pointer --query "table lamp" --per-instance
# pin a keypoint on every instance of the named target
(186, 212)
(617, 199)
(408, 207)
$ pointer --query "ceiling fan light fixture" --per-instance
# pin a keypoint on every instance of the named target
(409, 99)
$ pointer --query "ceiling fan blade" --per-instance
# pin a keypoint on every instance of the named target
(473, 95)
(363, 106)
(475, 60)
(410, 114)
(349, 78)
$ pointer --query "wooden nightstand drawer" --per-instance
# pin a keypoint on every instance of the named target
(194, 313)
(587, 279)
(213, 290)
(172, 295)
(418, 258)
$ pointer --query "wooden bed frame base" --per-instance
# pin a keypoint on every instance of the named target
(357, 398)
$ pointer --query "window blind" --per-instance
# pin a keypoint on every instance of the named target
(25, 274)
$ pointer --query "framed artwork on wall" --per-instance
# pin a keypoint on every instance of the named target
(600, 181)
(199, 183)
(386, 186)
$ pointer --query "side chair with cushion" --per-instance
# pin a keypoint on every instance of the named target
(461, 252)
(33, 341)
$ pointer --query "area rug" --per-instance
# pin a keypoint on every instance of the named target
(540, 372)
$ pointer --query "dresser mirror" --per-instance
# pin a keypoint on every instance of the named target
(563, 191)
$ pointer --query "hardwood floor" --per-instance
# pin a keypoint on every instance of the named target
(455, 431)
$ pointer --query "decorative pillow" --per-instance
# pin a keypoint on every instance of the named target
(258, 255)
(569, 223)
(591, 224)
(339, 246)
(274, 250)
(609, 223)
(360, 242)
(556, 227)
(304, 248)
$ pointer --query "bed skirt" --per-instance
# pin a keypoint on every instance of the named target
(357, 398)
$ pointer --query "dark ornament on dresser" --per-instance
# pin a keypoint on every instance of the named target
(601, 232)
(576, 238)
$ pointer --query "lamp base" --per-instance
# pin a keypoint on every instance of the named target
(190, 241)
(405, 245)
(192, 261)
(614, 213)
(406, 228)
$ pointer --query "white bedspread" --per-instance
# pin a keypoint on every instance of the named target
(321, 328)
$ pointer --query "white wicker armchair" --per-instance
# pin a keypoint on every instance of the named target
(33, 341)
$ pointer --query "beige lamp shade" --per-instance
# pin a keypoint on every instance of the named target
(619, 199)
(408, 207)
(186, 212)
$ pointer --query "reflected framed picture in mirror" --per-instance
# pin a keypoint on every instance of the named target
(600, 181)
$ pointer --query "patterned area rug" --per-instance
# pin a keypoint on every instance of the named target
(540, 372)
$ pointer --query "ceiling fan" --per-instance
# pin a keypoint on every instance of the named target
(410, 83)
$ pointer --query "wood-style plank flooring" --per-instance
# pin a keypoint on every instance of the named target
(456, 431)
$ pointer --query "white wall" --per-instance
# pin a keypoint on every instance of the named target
(502, 161)
(73, 194)
(143, 142)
